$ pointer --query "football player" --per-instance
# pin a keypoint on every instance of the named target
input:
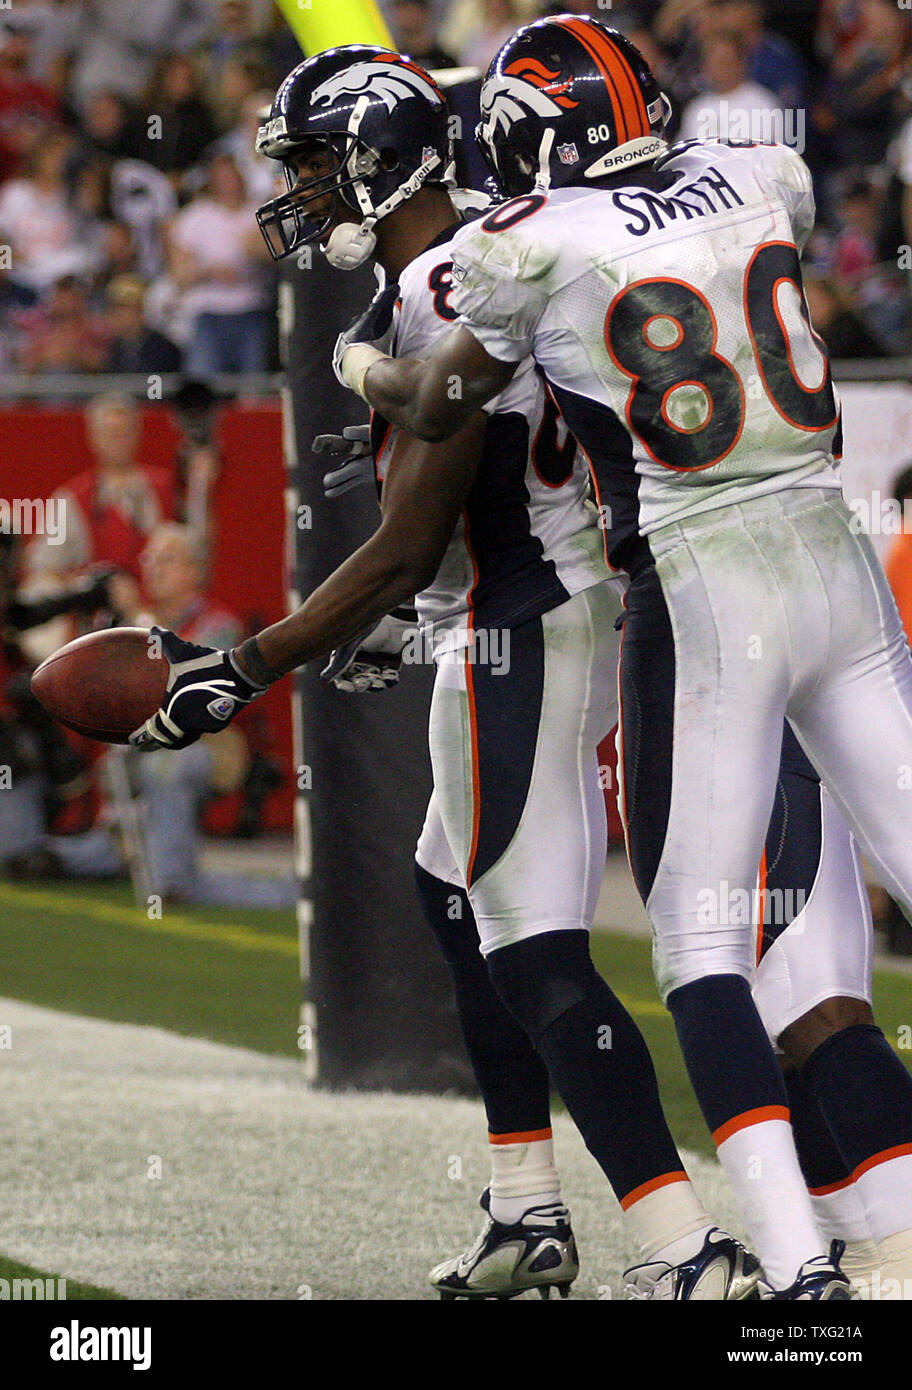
(660, 294)
(496, 534)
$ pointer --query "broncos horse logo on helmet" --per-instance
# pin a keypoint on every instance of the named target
(515, 96)
(390, 82)
(380, 125)
(568, 100)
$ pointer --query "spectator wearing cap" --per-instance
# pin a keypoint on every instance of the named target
(134, 346)
(217, 258)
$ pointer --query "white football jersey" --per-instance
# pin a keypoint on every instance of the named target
(669, 319)
(528, 537)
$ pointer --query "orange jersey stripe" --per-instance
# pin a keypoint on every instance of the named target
(522, 1136)
(748, 1118)
(652, 1186)
(762, 901)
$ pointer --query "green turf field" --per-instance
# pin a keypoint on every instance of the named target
(232, 976)
(10, 1270)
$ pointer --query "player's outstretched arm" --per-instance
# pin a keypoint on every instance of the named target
(431, 397)
(423, 495)
(424, 492)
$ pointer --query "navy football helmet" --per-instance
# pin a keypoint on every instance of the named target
(567, 101)
(380, 121)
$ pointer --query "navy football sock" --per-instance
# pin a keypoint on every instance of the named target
(864, 1093)
(821, 1162)
(596, 1055)
(511, 1076)
(729, 1058)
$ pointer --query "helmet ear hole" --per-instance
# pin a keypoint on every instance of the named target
(389, 159)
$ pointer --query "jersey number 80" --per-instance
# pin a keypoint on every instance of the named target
(689, 358)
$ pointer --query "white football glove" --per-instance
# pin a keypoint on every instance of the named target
(372, 660)
(368, 337)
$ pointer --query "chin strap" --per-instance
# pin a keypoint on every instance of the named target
(543, 177)
(350, 245)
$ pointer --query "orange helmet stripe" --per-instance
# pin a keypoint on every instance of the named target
(627, 99)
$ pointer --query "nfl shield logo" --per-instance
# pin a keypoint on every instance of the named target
(567, 154)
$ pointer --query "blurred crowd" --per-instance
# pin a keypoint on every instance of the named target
(128, 176)
(133, 547)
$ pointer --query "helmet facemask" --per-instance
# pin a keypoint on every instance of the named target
(286, 225)
(285, 222)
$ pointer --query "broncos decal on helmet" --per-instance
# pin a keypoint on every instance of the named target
(513, 100)
(386, 78)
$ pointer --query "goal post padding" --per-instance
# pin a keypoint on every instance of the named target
(378, 1007)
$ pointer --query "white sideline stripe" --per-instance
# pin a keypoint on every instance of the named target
(266, 1186)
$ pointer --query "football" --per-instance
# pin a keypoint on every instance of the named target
(103, 685)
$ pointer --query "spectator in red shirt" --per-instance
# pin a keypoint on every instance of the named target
(113, 507)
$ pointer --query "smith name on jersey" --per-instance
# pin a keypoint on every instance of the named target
(668, 316)
(528, 537)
